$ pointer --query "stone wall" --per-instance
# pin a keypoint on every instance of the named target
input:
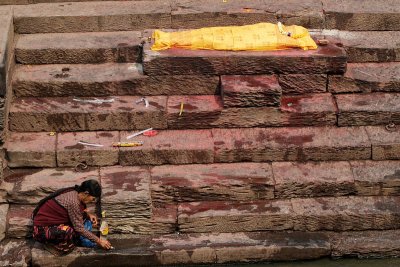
(6, 64)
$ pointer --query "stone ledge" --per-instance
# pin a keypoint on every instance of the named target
(366, 78)
(105, 80)
(326, 59)
(78, 48)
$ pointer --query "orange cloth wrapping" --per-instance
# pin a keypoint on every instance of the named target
(256, 37)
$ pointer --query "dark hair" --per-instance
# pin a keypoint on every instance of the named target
(91, 186)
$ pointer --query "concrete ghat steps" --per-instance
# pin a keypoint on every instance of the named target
(132, 15)
(205, 146)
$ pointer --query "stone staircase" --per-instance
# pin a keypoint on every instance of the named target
(284, 155)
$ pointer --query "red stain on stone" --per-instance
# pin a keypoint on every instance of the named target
(298, 140)
(76, 146)
(185, 107)
(219, 143)
(240, 144)
(156, 105)
(126, 181)
(105, 134)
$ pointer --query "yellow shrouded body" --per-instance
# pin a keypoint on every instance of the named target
(256, 37)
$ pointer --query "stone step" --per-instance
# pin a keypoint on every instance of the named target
(143, 200)
(208, 112)
(309, 214)
(139, 15)
(367, 46)
(366, 78)
(250, 91)
(76, 48)
(205, 146)
(169, 184)
(371, 15)
(214, 248)
(326, 59)
(368, 109)
(211, 248)
(105, 80)
(203, 111)
(67, 114)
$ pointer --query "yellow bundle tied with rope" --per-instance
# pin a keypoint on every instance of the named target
(256, 37)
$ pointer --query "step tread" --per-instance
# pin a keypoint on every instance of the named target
(368, 109)
(371, 15)
(197, 182)
(367, 46)
(104, 80)
(301, 214)
(198, 248)
(214, 145)
(367, 77)
(199, 111)
(325, 59)
(67, 114)
(126, 15)
(88, 47)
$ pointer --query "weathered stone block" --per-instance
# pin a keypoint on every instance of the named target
(78, 48)
(70, 153)
(370, 16)
(366, 244)
(361, 46)
(385, 142)
(346, 213)
(67, 114)
(303, 83)
(368, 109)
(16, 253)
(198, 111)
(376, 177)
(97, 17)
(367, 77)
(31, 150)
(294, 179)
(126, 197)
(169, 147)
(186, 183)
(235, 217)
(105, 80)
(3, 220)
(19, 222)
(31, 185)
(326, 59)
(289, 144)
(250, 91)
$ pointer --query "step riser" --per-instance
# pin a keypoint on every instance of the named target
(126, 16)
(148, 194)
(329, 59)
(332, 214)
(205, 146)
(79, 56)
